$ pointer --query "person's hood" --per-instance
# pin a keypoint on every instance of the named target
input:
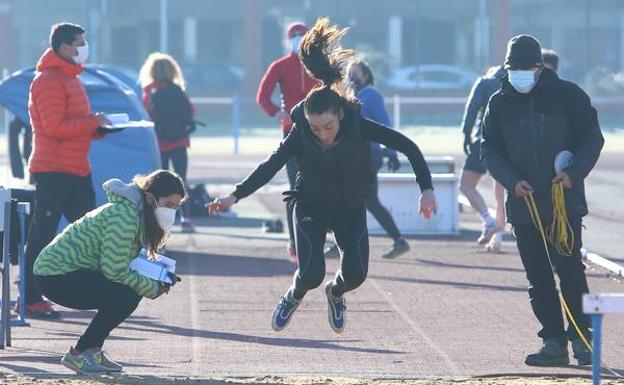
(548, 77)
(116, 190)
(124, 193)
(51, 59)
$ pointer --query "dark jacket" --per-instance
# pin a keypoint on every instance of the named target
(339, 177)
(522, 133)
(483, 88)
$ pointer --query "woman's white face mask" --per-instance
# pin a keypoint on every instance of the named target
(522, 80)
(165, 216)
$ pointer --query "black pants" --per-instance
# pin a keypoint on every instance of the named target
(56, 194)
(179, 160)
(89, 290)
(292, 168)
(542, 290)
(380, 213)
(349, 227)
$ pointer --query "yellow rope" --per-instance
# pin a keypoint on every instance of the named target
(559, 232)
(534, 212)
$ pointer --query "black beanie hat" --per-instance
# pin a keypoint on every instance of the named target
(523, 51)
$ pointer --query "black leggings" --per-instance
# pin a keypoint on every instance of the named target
(349, 227)
(380, 213)
(88, 290)
(292, 168)
(179, 160)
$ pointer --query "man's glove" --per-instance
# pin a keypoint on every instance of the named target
(467, 143)
(393, 162)
(163, 288)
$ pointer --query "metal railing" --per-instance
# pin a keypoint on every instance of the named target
(394, 103)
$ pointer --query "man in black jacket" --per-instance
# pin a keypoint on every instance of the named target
(532, 118)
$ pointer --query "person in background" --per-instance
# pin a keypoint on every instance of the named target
(551, 59)
(532, 119)
(63, 128)
(87, 266)
(17, 156)
(473, 171)
(169, 107)
(373, 107)
(294, 83)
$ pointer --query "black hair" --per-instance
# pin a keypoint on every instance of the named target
(365, 68)
(64, 33)
(161, 183)
(325, 60)
(551, 57)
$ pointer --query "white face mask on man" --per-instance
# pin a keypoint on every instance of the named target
(522, 80)
(83, 54)
(165, 216)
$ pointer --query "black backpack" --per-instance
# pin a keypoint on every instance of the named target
(172, 113)
(197, 201)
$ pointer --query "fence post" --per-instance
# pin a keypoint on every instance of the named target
(236, 122)
(396, 112)
(5, 311)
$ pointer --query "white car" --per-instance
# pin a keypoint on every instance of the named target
(431, 77)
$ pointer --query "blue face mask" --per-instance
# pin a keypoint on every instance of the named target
(522, 81)
(294, 43)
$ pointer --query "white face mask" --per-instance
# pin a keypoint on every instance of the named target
(294, 43)
(522, 81)
(165, 216)
(83, 54)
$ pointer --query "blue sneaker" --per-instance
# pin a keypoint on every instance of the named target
(336, 309)
(284, 311)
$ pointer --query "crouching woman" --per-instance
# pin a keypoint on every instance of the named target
(86, 267)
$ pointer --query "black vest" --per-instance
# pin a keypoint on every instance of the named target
(337, 178)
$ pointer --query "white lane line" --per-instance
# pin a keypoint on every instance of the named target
(194, 310)
(418, 330)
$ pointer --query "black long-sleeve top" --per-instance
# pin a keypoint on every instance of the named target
(340, 176)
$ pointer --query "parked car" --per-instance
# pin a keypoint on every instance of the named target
(127, 76)
(212, 77)
(431, 77)
(118, 155)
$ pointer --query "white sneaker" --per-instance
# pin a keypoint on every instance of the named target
(489, 229)
(496, 243)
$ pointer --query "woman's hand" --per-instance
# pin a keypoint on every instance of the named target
(162, 288)
(221, 204)
(427, 203)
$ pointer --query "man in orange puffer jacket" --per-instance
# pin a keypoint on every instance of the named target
(63, 128)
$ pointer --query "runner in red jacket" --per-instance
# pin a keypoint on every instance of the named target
(295, 83)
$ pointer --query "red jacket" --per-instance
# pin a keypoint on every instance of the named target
(61, 118)
(163, 145)
(294, 81)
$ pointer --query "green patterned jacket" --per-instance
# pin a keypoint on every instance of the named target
(105, 239)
